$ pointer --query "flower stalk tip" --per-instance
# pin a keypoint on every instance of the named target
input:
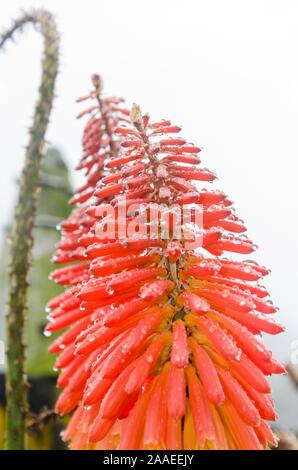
(136, 116)
(97, 82)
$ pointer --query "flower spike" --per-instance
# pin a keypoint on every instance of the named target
(160, 347)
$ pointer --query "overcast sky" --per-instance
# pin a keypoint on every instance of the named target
(227, 71)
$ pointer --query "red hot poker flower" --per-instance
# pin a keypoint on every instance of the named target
(161, 349)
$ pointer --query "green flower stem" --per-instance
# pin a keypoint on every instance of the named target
(22, 238)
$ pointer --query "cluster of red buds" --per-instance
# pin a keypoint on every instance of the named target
(159, 348)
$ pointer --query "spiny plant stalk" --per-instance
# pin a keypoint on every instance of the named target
(159, 348)
(22, 238)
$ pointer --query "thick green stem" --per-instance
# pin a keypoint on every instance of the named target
(21, 238)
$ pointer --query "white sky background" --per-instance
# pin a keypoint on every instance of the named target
(226, 70)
